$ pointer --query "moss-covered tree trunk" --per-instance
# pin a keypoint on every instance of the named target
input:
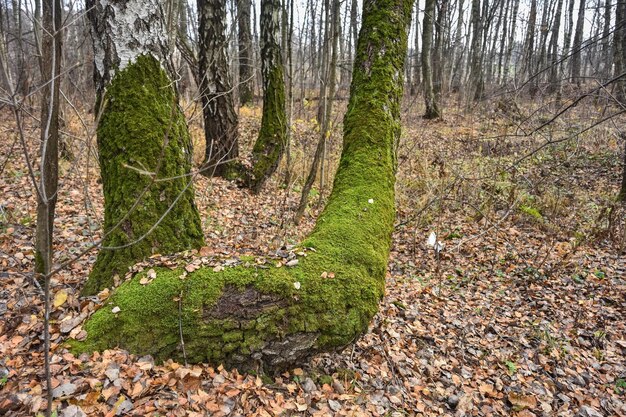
(276, 317)
(272, 140)
(143, 142)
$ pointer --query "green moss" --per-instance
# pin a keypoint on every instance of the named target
(145, 159)
(531, 211)
(270, 145)
(351, 243)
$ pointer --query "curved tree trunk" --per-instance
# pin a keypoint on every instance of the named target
(272, 140)
(220, 119)
(247, 316)
(143, 142)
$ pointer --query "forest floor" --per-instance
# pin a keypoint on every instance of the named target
(523, 311)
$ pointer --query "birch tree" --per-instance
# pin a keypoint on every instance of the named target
(143, 142)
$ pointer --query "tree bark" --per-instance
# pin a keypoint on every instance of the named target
(438, 61)
(578, 41)
(619, 50)
(622, 193)
(511, 43)
(529, 42)
(476, 68)
(277, 317)
(325, 122)
(49, 165)
(48, 184)
(432, 107)
(143, 143)
(220, 119)
(415, 64)
(270, 145)
(553, 50)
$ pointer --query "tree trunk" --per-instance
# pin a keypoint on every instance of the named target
(622, 193)
(48, 183)
(619, 50)
(432, 107)
(325, 122)
(270, 145)
(553, 49)
(509, 51)
(143, 143)
(578, 41)
(529, 42)
(438, 61)
(276, 317)
(415, 67)
(606, 42)
(220, 119)
(476, 68)
(457, 51)
(49, 165)
(246, 54)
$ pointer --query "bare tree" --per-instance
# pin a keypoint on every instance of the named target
(246, 53)
(432, 107)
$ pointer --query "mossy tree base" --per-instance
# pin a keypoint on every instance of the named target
(272, 141)
(145, 160)
(274, 318)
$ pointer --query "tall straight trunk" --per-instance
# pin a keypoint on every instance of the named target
(619, 50)
(323, 70)
(491, 53)
(284, 28)
(568, 32)
(511, 43)
(5, 82)
(49, 165)
(622, 193)
(325, 122)
(555, 75)
(276, 318)
(216, 92)
(503, 39)
(544, 29)
(48, 184)
(438, 60)
(476, 70)
(353, 34)
(313, 44)
(416, 67)
(270, 145)
(143, 142)
(457, 50)
(22, 72)
(246, 53)
(529, 42)
(606, 41)
(578, 41)
(432, 107)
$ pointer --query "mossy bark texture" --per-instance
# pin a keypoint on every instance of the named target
(145, 159)
(272, 140)
(274, 318)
